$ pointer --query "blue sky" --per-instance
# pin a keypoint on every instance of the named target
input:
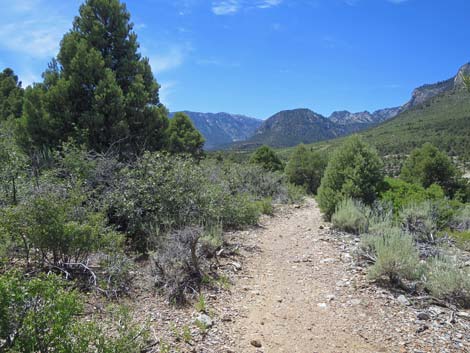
(256, 57)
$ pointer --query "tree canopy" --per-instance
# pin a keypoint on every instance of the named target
(267, 158)
(306, 168)
(428, 165)
(354, 171)
(99, 90)
(183, 136)
(11, 95)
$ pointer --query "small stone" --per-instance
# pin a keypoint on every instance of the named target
(463, 314)
(328, 261)
(356, 301)
(322, 227)
(205, 320)
(237, 266)
(256, 343)
(402, 300)
(322, 305)
(423, 316)
(330, 297)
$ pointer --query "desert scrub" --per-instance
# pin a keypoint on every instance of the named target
(396, 257)
(445, 280)
(41, 315)
(461, 220)
(265, 206)
(351, 216)
(420, 220)
(462, 239)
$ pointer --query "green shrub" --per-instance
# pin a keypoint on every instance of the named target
(37, 315)
(354, 171)
(445, 280)
(426, 219)
(267, 158)
(462, 239)
(306, 168)
(461, 219)
(420, 220)
(161, 193)
(40, 315)
(240, 211)
(295, 193)
(396, 257)
(428, 165)
(265, 206)
(351, 216)
(401, 193)
(59, 230)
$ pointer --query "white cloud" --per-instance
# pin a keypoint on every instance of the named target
(171, 59)
(33, 27)
(167, 90)
(225, 7)
(37, 39)
(230, 7)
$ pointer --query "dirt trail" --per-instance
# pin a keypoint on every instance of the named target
(293, 291)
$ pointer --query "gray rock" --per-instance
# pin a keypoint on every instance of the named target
(402, 300)
(256, 343)
(423, 316)
(205, 320)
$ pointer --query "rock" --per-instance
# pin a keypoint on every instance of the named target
(402, 300)
(330, 297)
(423, 316)
(328, 261)
(256, 343)
(322, 305)
(237, 266)
(295, 206)
(463, 314)
(356, 301)
(322, 227)
(205, 320)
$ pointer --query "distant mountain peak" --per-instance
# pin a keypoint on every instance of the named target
(221, 129)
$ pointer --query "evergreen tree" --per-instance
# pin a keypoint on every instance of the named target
(428, 165)
(11, 95)
(354, 171)
(267, 158)
(306, 168)
(183, 136)
(99, 91)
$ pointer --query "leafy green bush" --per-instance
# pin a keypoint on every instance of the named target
(401, 193)
(428, 165)
(161, 193)
(354, 171)
(267, 158)
(445, 280)
(265, 206)
(240, 211)
(40, 315)
(53, 230)
(295, 193)
(306, 168)
(396, 257)
(351, 216)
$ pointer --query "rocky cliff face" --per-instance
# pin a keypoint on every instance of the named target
(426, 92)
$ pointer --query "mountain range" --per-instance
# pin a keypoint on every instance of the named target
(291, 127)
(223, 129)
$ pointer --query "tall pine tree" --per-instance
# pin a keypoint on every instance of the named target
(99, 91)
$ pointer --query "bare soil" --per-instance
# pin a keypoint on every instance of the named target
(297, 288)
